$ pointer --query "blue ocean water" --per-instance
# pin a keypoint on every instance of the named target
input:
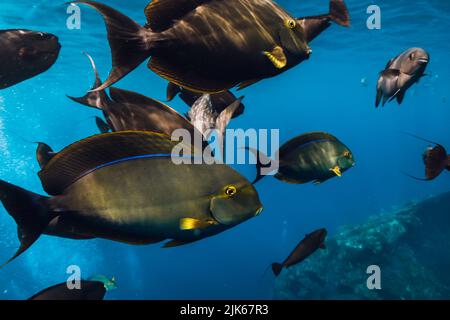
(333, 91)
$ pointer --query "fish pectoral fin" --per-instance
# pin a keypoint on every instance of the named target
(337, 171)
(277, 57)
(175, 243)
(192, 224)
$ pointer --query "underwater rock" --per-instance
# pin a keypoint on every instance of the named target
(410, 245)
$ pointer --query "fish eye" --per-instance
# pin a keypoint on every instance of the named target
(290, 24)
(230, 191)
(347, 154)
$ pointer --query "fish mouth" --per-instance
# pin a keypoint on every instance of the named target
(423, 60)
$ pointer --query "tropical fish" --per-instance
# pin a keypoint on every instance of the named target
(304, 249)
(400, 74)
(209, 46)
(435, 158)
(127, 110)
(127, 187)
(219, 101)
(316, 157)
(90, 290)
(25, 54)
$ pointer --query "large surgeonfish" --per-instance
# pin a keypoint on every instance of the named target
(128, 187)
(209, 46)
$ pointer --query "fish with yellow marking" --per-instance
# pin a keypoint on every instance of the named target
(125, 186)
(210, 46)
(312, 157)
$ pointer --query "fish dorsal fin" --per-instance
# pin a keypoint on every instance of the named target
(44, 154)
(89, 154)
(304, 139)
(161, 14)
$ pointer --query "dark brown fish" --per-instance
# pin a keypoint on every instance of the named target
(219, 101)
(90, 290)
(304, 249)
(25, 54)
(209, 46)
(126, 110)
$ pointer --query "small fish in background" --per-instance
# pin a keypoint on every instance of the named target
(311, 157)
(364, 82)
(435, 158)
(400, 74)
(204, 117)
(24, 54)
(90, 290)
(304, 249)
(219, 101)
(206, 47)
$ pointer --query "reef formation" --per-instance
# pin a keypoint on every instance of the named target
(411, 245)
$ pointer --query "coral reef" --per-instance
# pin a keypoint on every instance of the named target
(411, 246)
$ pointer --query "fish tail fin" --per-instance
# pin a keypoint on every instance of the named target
(130, 43)
(30, 211)
(276, 268)
(172, 91)
(339, 13)
(261, 162)
(97, 99)
(44, 153)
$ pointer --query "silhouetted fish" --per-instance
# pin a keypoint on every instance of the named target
(436, 160)
(209, 46)
(90, 290)
(400, 74)
(25, 54)
(304, 249)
